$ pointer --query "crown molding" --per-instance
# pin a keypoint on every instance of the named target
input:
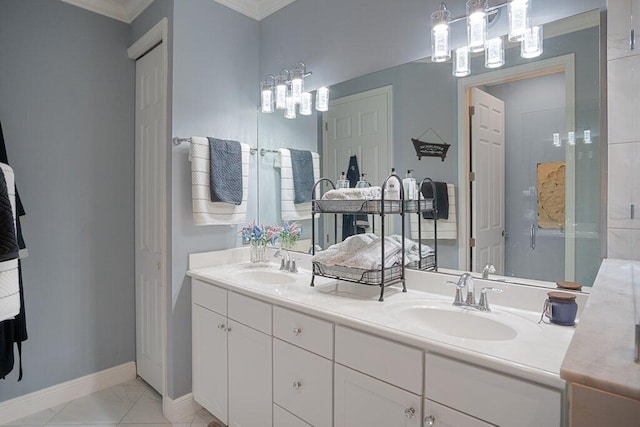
(267, 7)
(124, 10)
(256, 9)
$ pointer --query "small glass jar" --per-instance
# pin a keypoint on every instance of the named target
(258, 253)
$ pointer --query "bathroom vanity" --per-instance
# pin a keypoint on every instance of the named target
(333, 355)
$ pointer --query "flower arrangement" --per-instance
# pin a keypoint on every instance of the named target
(259, 234)
(289, 234)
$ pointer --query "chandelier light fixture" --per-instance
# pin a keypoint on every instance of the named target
(479, 16)
(440, 51)
(285, 91)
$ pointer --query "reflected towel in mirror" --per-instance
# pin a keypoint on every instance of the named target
(291, 211)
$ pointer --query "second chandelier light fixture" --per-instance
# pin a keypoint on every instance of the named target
(477, 17)
(286, 92)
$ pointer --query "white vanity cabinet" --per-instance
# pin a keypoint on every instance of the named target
(378, 382)
(260, 364)
(490, 396)
(232, 356)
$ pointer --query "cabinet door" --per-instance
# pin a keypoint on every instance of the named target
(364, 401)
(442, 416)
(250, 397)
(210, 361)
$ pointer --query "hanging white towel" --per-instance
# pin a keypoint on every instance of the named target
(290, 210)
(206, 212)
(9, 279)
(447, 228)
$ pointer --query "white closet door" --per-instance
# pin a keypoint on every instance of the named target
(149, 217)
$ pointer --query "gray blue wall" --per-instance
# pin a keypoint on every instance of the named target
(67, 108)
(215, 78)
(214, 75)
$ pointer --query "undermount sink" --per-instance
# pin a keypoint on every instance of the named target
(457, 322)
(266, 277)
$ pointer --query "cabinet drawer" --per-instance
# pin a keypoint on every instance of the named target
(490, 396)
(251, 312)
(389, 361)
(303, 383)
(362, 401)
(209, 296)
(304, 331)
(282, 418)
(440, 415)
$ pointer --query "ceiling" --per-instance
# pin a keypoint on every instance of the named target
(128, 10)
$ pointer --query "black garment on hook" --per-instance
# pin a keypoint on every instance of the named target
(13, 330)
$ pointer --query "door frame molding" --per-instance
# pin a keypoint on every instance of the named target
(159, 34)
(560, 64)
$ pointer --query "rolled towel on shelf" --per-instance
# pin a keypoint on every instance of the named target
(367, 193)
(363, 251)
(205, 211)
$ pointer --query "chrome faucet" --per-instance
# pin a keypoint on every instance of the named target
(488, 269)
(463, 282)
(287, 263)
(466, 281)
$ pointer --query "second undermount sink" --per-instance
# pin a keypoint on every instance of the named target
(266, 277)
(456, 322)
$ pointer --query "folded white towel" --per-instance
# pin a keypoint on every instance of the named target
(9, 279)
(447, 228)
(290, 210)
(363, 251)
(367, 193)
(206, 212)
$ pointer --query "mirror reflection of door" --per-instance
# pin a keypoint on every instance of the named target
(357, 125)
(534, 247)
(487, 188)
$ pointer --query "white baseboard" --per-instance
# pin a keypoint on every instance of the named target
(40, 400)
(180, 410)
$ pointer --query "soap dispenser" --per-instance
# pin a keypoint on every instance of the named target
(392, 190)
(343, 182)
(409, 185)
(363, 181)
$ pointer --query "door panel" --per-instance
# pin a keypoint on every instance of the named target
(149, 219)
(488, 153)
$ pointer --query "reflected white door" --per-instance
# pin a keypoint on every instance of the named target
(149, 222)
(358, 125)
(487, 190)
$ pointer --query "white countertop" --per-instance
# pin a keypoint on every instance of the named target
(535, 354)
(601, 354)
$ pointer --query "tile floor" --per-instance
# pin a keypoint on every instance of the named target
(130, 404)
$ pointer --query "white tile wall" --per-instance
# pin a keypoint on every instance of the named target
(623, 85)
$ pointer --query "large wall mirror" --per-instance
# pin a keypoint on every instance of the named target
(533, 208)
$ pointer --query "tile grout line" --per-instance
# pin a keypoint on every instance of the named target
(147, 387)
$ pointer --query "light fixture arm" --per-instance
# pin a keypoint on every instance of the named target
(491, 11)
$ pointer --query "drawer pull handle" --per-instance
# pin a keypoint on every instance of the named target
(221, 326)
(409, 412)
(430, 421)
(297, 385)
(297, 331)
(229, 329)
